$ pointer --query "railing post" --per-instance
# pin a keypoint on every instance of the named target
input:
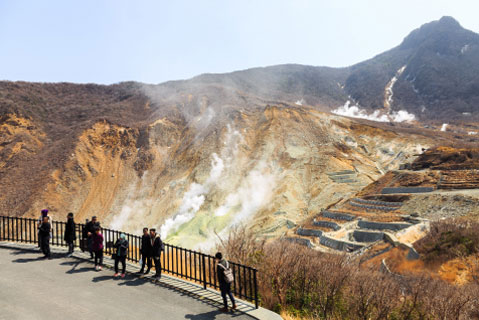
(203, 264)
(256, 302)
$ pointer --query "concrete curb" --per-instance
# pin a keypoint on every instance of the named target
(166, 280)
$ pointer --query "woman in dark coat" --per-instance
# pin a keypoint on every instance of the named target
(44, 234)
(70, 234)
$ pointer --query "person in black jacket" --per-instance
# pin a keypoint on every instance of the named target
(146, 251)
(44, 234)
(157, 247)
(225, 286)
(89, 231)
(70, 235)
(121, 247)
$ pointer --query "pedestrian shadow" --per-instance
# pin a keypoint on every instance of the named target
(210, 315)
(27, 260)
(135, 282)
(203, 316)
(19, 252)
(101, 278)
(79, 270)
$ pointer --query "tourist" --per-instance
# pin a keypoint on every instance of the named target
(70, 234)
(44, 235)
(44, 213)
(145, 251)
(121, 247)
(157, 248)
(225, 278)
(89, 231)
(97, 247)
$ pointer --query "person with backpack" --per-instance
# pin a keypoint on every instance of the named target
(97, 248)
(225, 278)
(121, 247)
(44, 234)
(70, 235)
(157, 248)
(146, 251)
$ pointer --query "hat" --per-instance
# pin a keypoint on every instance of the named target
(44, 212)
(123, 236)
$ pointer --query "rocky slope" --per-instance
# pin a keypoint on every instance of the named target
(192, 166)
(198, 157)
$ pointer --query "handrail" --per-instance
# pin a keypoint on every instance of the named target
(177, 261)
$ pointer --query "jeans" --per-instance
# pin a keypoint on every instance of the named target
(70, 247)
(157, 266)
(145, 260)
(45, 245)
(226, 290)
(99, 257)
(89, 242)
(123, 263)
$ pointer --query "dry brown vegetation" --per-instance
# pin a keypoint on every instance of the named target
(449, 239)
(304, 283)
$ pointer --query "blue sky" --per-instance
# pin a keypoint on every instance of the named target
(155, 41)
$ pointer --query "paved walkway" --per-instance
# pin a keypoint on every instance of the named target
(69, 288)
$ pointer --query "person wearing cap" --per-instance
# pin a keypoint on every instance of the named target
(70, 234)
(225, 287)
(44, 235)
(121, 247)
(157, 247)
(97, 247)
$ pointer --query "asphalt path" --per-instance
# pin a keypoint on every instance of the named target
(70, 288)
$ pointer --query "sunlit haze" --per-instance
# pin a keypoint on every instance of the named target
(156, 41)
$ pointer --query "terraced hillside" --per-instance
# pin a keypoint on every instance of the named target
(388, 216)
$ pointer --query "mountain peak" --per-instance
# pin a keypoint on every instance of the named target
(446, 28)
(449, 21)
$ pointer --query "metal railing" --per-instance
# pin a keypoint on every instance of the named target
(179, 262)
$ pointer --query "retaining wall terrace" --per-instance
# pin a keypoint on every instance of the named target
(394, 226)
(407, 190)
(367, 236)
(327, 224)
(377, 202)
(337, 215)
(301, 241)
(309, 232)
(339, 245)
(372, 207)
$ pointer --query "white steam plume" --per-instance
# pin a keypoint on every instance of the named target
(194, 198)
(354, 111)
(255, 192)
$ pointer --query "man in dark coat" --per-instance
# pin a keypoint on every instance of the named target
(225, 286)
(70, 234)
(146, 251)
(157, 248)
(44, 234)
(89, 231)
